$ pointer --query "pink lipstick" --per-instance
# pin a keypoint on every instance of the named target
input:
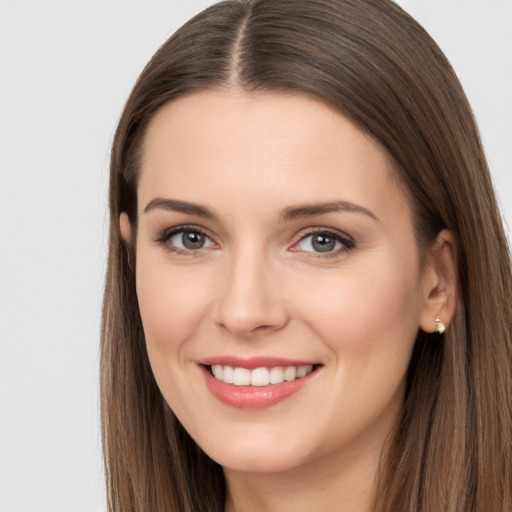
(255, 383)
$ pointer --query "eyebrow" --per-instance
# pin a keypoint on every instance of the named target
(313, 209)
(288, 214)
(179, 206)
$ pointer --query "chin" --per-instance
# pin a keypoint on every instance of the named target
(256, 463)
(261, 455)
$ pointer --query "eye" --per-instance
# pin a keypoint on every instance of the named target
(324, 242)
(185, 239)
(190, 240)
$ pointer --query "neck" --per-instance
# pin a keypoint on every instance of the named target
(341, 482)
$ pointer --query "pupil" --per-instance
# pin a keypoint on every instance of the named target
(322, 243)
(193, 240)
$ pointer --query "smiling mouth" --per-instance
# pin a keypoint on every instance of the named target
(259, 377)
(258, 382)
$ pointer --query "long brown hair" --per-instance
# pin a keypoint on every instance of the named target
(452, 451)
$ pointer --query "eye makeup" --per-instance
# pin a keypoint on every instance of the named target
(320, 242)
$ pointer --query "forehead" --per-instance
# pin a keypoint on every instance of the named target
(287, 147)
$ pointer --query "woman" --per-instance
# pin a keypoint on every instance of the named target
(307, 303)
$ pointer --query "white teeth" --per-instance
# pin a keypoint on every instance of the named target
(259, 376)
(290, 373)
(227, 375)
(241, 377)
(217, 371)
(302, 371)
(276, 375)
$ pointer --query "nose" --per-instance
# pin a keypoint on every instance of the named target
(251, 302)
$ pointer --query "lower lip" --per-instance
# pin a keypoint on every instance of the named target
(253, 397)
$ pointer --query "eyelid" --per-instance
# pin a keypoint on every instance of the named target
(347, 241)
(163, 237)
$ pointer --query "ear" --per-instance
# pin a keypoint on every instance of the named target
(440, 282)
(126, 228)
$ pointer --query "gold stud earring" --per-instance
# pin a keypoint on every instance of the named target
(440, 328)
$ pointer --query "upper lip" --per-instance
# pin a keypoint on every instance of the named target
(253, 362)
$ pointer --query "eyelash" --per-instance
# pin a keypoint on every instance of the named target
(347, 242)
(165, 236)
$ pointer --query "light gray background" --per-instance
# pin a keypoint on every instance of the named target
(66, 69)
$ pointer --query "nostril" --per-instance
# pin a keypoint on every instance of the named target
(249, 327)
(249, 307)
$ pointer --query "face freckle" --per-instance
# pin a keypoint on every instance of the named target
(272, 234)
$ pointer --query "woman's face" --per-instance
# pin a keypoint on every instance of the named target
(275, 248)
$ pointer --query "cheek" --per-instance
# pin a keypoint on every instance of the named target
(172, 306)
(171, 303)
(366, 311)
(369, 320)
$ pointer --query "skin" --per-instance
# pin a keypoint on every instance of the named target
(259, 288)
